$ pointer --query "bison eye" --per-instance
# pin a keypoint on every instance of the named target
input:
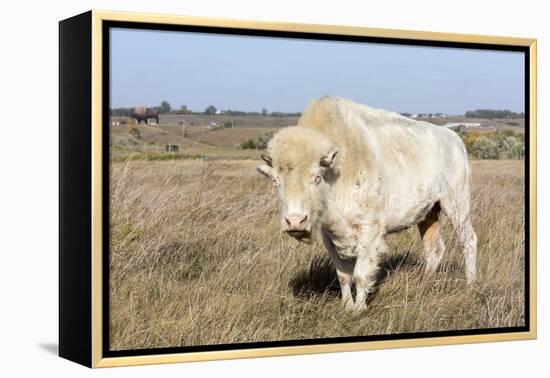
(317, 179)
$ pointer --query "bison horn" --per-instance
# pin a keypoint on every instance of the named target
(327, 160)
(267, 160)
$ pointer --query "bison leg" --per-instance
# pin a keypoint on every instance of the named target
(468, 241)
(459, 215)
(345, 280)
(344, 271)
(366, 268)
(431, 238)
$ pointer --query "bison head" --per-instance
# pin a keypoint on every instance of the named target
(301, 163)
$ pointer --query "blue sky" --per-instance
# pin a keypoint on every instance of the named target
(251, 73)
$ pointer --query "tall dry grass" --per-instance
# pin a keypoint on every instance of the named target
(197, 257)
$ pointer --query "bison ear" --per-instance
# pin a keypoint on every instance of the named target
(267, 160)
(327, 160)
(265, 170)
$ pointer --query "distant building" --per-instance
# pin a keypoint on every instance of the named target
(427, 115)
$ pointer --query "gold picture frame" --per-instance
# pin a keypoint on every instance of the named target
(82, 258)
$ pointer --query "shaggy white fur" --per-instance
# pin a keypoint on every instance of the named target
(353, 174)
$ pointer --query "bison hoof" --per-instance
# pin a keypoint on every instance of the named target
(349, 306)
(360, 307)
(354, 307)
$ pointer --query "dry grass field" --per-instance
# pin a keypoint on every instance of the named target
(197, 142)
(197, 257)
(220, 119)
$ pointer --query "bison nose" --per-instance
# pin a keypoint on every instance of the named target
(296, 222)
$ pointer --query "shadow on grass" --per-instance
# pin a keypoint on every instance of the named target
(318, 281)
(394, 263)
(321, 279)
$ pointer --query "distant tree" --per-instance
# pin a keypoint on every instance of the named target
(283, 114)
(211, 109)
(491, 113)
(121, 112)
(183, 108)
(264, 112)
(165, 107)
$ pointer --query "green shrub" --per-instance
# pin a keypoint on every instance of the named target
(518, 150)
(263, 140)
(257, 144)
(124, 141)
(485, 148)
(469, 139)
(249, 145)
(133, 130)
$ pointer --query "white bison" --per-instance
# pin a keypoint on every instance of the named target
(353, 174)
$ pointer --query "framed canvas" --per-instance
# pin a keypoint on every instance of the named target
(234, 189)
